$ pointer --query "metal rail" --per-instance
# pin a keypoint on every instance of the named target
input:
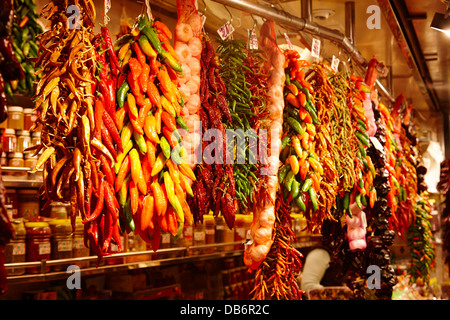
(301, 24)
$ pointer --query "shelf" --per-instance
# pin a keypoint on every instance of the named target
(128, 264)
(30, 180)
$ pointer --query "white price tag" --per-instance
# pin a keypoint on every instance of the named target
(315, 48)
(376, 143)
(335, 64)
(288, 41)
(252, 39)
(226, 30)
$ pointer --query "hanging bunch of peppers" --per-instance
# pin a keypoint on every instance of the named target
(245, 82)
(302, 171)
(24, 29)
(64, 102)
(151, 171)
(420, 240)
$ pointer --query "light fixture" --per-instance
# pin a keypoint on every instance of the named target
(441, 22)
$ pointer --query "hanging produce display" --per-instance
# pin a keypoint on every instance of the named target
(443, 186)
(261, 230)
(24, 29)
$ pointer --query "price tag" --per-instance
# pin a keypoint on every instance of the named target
(288, 41)
(335, 64)
(226, 30)
(377, 144)
(315, 48)
(252, 39)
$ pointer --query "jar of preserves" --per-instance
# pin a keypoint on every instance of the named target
(15, 249)
(23, 140)
(9, 140)
(15, 118)
(4, 160)
(15, 160)
(35, 138)
(199, 237)
(29, 117)
(62, 241)
(223, 233)
(30, 161)
(79, 249)
(210, 229)
(38, 244)
(188, 235)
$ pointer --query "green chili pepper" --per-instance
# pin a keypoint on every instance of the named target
(153, 38)
(295, 125)
(346, 203)
(146, 47)
(129, 215)
(122, 93)
(307, 185)
(299, 202)
(282, 173)
(181, 123)
(171, 61)
(313, 197)
(289, 179)
(285, 142)
(358, 200)
(297, 84)
(364, 200)
(362, 138)
(122, 41)
(140, 141)
(295, 189)
(165, 146)
(288, 76)
(312, 112)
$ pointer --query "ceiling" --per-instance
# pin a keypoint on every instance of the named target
(423, 81)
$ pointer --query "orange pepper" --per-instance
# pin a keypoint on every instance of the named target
(150, 129)
(304, 168)
(302, 113)
(172, 224)
(166, 84)
(134, 196)
(146, 168)
(158, 120)
(151, 152)
(372, 197)
(140, 55)
(148, 207)
(308, 118)
(144, 76)
(125, 167)
(292, 100)
(160, 26)
(173, 171)
(143, 111)
(169, 121)
(162, 221)
(302, 100)
(120, 117)
(316, 181)
(160, 198)
(153, 94)
(293, 88)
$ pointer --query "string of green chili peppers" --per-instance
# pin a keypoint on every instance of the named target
(23, 39)
(241, 71)
(420, 241)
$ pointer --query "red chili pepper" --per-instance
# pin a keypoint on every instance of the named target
(143, 111)
(107, 170)
(140, 56)
(110, 46)
(107, 141)
(135, 68)
(100, 202)
(98, 114)
(135, 89)
(111, 126)
(143, 78)
(168, 120)
(108, 229)
(160, 26)
(169, 136)
(108, 100)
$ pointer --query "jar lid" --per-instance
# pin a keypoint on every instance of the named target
(15, 155)
(10, 131)
(15, 109)
(36, 134)
(36, 224)
(58, 221)
(28, 110)
(23, 133)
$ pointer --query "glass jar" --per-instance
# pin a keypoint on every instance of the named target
(223, 233)
(210, 231)
(29, 117)
(4, 160)
(30, 161)
(38, 244)
(15, 118)
(15, 160)
(9, 140)
(199, 237)
(79, 249)
(15, 249)
(62, 241)
(35, 138)
(188, 235)
(23, 140)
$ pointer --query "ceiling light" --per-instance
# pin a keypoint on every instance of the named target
(441, 22)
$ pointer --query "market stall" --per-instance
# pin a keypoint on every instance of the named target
(202, 150)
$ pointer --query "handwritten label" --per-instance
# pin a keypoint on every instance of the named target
(376, 143)
(335, 64)
(252, 39)
(288, 41)
(226, 30)
(315, 48)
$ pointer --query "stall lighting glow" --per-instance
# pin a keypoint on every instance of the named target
(441, 22)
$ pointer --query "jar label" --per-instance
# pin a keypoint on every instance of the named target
(210, 232)
(33, 118)
(44, 248)
(241, 232)
(15, 117)
(188, 231)
(78, 243)
(65, 245)
(220, 227)
(18, 249)
(199, 236)
(165, 238)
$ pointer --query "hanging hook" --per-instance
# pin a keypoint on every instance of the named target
(204, 8)
(231, 16)
(255, 23)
